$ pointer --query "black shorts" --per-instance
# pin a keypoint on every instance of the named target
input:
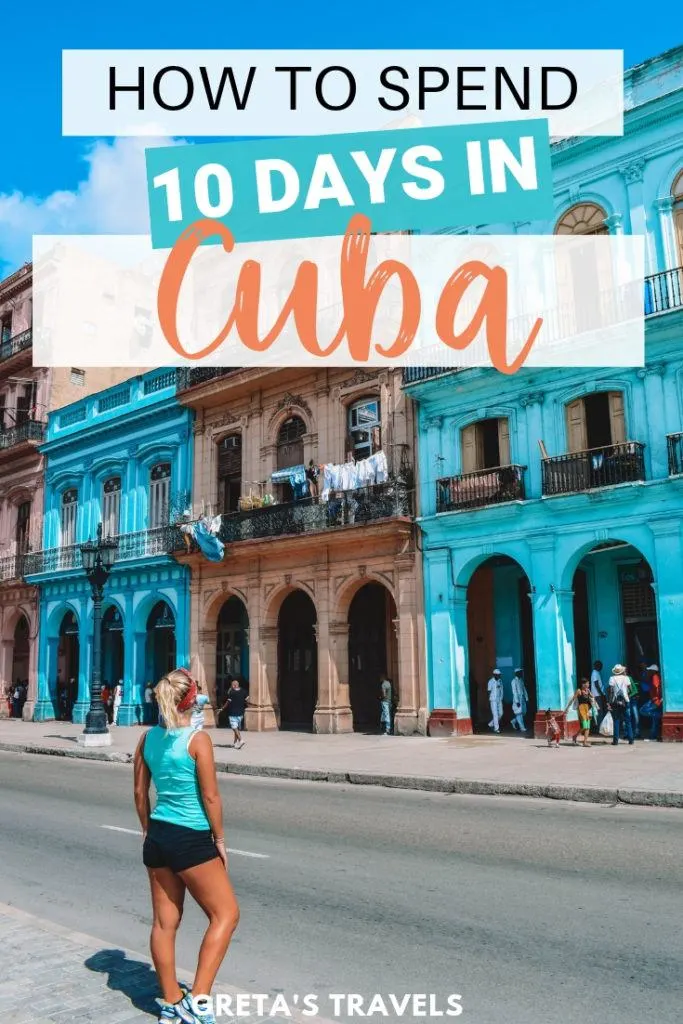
(177, 847)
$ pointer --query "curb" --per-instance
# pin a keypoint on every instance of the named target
(417, 783)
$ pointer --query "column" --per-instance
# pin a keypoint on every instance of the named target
(33, 652)
(6, 659)
(434, 463)
(82, 705)
(667, 231)
(553, 628)
(531, 405)
(633, 177)
(441, 686)
(324, 719)
(46, 704)
(262, 709)
(342, 717)
(132, 706)
(656, 451)
(268, 676)
(408, 669)
(668, 573)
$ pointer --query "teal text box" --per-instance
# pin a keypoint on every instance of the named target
(219, 180)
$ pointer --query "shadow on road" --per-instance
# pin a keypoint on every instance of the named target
(54, 736)
(134, 978)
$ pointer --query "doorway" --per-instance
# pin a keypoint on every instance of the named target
(371, 652)
(297, 662)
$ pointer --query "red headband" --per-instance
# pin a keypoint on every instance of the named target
(190, 697)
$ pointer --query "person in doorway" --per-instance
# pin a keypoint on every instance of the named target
(116, 699)
(386, 700)
(552, 729)
(312, 478)
(585, 702)
(16, 701)
(520, 700)
(235, 704)
(617, 703)
(634, 697)
(598, 693)
(148, 715)
(654, 706)
(184, 846)
(495, 691)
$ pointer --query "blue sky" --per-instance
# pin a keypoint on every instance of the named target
(51, 183)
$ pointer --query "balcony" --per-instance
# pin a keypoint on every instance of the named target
(19, 343)
(484, 487)
(664, 291)
(31, 430)
(192, 376)
(163, 540)
(674, 443)
(348, 508)
(11, 568)
(416, 374)
(597, 467)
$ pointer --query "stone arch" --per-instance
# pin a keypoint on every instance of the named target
(56, 617)
(213, 607)
(350, 588)
(297, 407)
(372, 651)
(142, 611)
(625, 535)
(585, 217)
(11, 621)
(463, 575)
(275, 600)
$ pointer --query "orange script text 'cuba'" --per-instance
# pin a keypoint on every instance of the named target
(360, 298)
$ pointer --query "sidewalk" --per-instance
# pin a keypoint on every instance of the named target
(646, 773)
(52, 975)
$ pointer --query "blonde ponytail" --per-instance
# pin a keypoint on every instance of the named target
(169, 692)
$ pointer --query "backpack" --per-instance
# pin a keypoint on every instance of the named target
(617, 697)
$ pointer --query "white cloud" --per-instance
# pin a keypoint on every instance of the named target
(112, 199)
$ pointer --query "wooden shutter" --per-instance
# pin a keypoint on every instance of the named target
(679, 237)
(504, 441)
(472, 454)
(616, 417)
(577, 435)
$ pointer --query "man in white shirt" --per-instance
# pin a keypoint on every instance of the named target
(495, 691)
(598, 691)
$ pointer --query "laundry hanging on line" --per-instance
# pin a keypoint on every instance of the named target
(295, 476)
(350, 476)
(203, 533)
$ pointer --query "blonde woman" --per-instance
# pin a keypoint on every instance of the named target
(184, 846)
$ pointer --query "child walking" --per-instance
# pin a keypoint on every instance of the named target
(552, 729)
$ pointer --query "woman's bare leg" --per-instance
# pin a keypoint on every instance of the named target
(210, 886)
(168, 894)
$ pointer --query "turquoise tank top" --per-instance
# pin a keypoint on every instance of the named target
(174, 774)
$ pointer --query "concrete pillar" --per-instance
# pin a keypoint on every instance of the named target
(553, 628)
(33, 653)
(340, 717)
(633, 177)
(668, 574)
(408, 672)
(656, 452)
(132, 706)
(262, 709)
(532, 405)
(446, 628)
(664, 207)
(82, 705)
(268, 695)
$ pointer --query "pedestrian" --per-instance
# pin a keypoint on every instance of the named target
(184, 846)
(654, 706)
(552, 729)
(634, 696)
(617, 702)
(235, 704)
(520, 700)
(312, 478)
(585, 702)
(386, 701)
(116, 698)
(16, 701)
(148, 715)
(197, 720)
(104, 697)
(598, 692)
(495, 691)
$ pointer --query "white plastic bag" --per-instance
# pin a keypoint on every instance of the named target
(607, 725)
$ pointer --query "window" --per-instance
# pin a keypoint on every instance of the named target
(3, 421)
(111, 506)
(677, 193)
(485, 445)
(230, 472)
(159, 495)
(26, 402)
(68, 518)
(22, 528)
(583, 219)
(5, 327)
(596, 421)
(78, 377)
(290, 445)
(365, 432)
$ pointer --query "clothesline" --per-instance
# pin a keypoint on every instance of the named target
(345, 476)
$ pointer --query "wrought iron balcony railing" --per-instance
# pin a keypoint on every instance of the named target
(664, 291)
(597, 467)
(11, 568)
(485, 487)
(674, 443)
(192, 376)
(416, 374)
(31, 430)
(309, 515)
(163, 540)
(19, 343)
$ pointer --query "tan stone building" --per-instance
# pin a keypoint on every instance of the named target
(27, 394)
(314, 598)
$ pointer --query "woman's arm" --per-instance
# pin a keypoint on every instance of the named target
(202, 752)
(141, 780)
(571, 701)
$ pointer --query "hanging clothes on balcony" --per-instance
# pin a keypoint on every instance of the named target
(208, 543)
(295, 476)
(351, 476)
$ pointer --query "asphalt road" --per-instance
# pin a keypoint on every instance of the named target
(532, 911)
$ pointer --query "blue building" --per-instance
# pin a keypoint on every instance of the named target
(122, 457)
(552, 501)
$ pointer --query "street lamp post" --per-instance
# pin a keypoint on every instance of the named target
(98, 561)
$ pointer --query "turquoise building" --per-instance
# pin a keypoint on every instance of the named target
(552, 500)
(122, 457)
